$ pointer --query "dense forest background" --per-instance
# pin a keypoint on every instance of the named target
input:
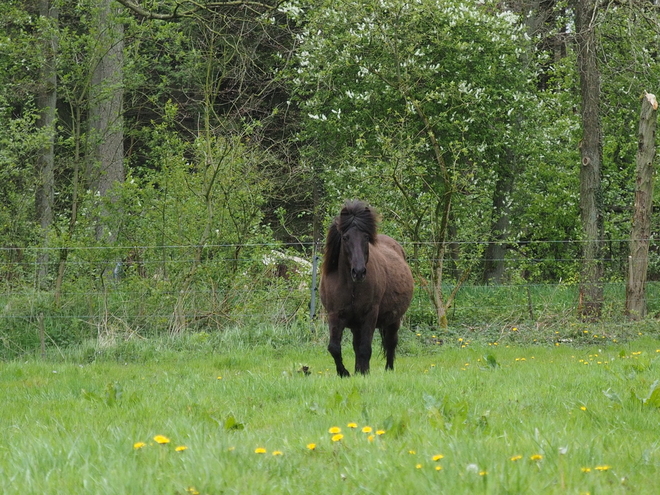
(172, 165)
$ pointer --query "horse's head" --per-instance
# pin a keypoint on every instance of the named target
(357, 226)
(355, 244)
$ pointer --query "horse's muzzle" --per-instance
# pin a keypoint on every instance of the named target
(358, 274)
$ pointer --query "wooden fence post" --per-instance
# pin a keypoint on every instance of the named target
(641, 222)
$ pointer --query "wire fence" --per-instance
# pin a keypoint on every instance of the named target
(62, 296)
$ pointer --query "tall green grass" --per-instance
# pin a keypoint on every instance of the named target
(505, 418)
(133, 310)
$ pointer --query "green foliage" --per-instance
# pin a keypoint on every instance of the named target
(19, 145)
(366, 69)
(419, 108)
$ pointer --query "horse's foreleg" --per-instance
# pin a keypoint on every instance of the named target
(362, 339)
(334, 347)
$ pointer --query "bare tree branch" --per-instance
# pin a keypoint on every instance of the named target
(189, 8)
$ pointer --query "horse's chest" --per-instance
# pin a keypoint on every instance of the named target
(349, 300)
(357, 305)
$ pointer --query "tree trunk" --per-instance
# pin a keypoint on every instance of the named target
(496, 249)
(591, 288)
(641, 227)
(45, 167)
(106, 154)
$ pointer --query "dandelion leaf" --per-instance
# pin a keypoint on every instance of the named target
(336, 401)
(636, 400)
(113, 393)
(613, 396)
(354, 398)
(457, 412)
(436, 419)
(90, 396)
(316, 409)
(491, 361)
(653, 399)
(396, 427)
(232, 425)
(482, 422)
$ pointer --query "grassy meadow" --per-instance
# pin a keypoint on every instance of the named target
(259, 414)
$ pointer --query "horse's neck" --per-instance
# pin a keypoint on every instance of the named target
(344, 267)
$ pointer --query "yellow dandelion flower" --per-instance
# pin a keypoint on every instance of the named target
(380, 432)
(586, 469)
(181, 448)
(277, 452)
(371, 438)
(584, 408)
(437, 457)
(161, 439)
(367, 429)
(334, 430)
(138, 445)
(352, 425)
(260, 450)
(418, 466)
(412, 452)
(483, 473)
(192, 490)
(337, 437)
(311, 446)
(536, 457)
(602, 468)
(438, 468)
(516, 458)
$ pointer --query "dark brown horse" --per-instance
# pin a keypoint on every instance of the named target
(366, 284)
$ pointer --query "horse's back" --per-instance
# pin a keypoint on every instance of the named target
(389, 243)
(399, 281)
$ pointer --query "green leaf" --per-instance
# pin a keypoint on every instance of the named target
(436, 419)
(396, 427)
(613, 396)
(653, 399)
(491, 361)
(113, 393)
(232, 424)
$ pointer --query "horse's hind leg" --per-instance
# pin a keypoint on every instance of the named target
(390, 335)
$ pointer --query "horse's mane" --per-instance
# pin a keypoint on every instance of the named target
(354, 213)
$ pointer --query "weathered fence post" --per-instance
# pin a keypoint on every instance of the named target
(312, 304)
(42, 335)
(641, 222)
